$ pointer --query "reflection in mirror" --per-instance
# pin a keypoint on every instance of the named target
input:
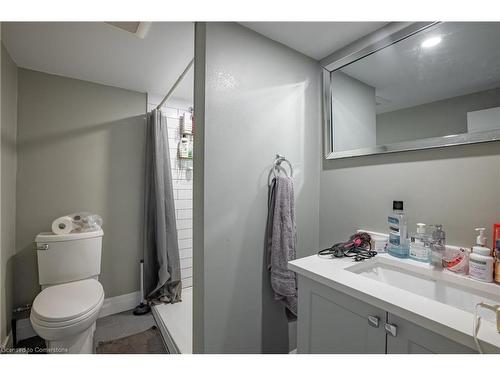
(441, 85)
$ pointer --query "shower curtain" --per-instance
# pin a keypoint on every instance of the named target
(162, 273)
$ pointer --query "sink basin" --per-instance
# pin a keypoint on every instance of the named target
(441, 286)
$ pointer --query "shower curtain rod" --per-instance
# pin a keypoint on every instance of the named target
(176, 83)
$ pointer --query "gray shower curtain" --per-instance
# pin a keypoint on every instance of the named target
(162, 273)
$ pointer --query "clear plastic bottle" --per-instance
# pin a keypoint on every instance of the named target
(438, 246)
(398, 241)
(420, 245)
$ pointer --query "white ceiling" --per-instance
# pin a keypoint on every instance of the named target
(314, 39)
(405, 74)
(99, 52)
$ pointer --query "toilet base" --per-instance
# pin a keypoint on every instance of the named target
(82, 343)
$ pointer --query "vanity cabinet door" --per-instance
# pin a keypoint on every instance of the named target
(335, 323)
(413, 339)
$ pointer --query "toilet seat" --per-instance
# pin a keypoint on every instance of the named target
(66, 309)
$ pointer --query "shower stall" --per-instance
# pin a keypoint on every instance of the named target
(171, 298)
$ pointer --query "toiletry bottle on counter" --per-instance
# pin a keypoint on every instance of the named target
(496, 244)
(398, 242)
(420, 245)
(497, 264)
(438, 247)
(480, 261)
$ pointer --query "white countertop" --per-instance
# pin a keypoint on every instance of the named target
(446, 320)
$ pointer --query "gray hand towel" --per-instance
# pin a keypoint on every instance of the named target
(281, 242)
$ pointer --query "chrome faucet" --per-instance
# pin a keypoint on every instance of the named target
(438, 246)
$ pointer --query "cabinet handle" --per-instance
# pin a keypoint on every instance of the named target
(373, 321)
(391, 329)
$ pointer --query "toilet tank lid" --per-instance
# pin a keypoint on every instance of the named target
(52, 237)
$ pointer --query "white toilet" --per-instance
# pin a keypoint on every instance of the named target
(65, 311)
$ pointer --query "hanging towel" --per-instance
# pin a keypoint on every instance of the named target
(281, 240)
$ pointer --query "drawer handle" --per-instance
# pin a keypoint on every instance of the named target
(391, 329)
(373, 321)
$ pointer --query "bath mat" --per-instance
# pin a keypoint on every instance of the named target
(147, 342)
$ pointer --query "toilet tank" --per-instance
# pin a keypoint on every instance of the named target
(68, 257)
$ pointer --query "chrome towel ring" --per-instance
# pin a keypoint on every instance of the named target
(277, 167)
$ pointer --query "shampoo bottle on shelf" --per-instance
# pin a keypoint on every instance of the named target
(184, 148)
(398, 242)
(481, 262)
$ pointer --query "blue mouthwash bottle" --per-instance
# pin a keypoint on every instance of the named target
(398, 229)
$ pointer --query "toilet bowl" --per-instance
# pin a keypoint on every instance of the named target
(65, 315)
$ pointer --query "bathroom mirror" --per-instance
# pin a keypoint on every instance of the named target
(424, 85)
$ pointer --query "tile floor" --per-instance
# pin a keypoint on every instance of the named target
(120, 325)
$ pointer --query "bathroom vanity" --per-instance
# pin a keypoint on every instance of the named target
(390, 305)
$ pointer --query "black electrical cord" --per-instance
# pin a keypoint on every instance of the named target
(358, 247)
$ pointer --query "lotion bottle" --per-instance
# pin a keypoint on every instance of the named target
(481, 262)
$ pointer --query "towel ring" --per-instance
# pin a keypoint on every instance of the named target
(277, 167)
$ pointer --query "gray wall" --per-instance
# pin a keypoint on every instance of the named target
(80, 147)
(261, 98)
(199, 189)
(353, 105)
(456, 186)
(8, 188)
(434, 119)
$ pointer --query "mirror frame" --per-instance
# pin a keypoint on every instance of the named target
(380, 39)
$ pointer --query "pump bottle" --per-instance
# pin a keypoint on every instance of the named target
(481, 262)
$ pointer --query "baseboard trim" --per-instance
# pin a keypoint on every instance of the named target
(118, 304)
(110, 306)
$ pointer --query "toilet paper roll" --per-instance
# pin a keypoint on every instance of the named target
(63, 225)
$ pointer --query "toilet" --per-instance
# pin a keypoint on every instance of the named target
(65, 311)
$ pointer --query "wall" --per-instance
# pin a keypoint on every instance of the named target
(2, 314)
(456, 186)
(483, 120)
(8, 188)
(199, 188)
(260, 98)
(80, 147)
(434, 119)
(353, 104)
(182, 183)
